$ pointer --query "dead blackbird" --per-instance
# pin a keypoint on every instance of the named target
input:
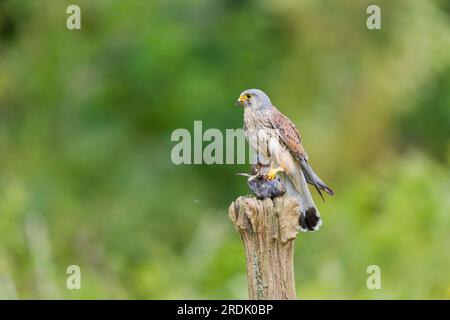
(263, 187)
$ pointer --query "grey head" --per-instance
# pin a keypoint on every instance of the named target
(254, 98)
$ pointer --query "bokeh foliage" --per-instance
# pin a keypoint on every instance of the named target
(86, 117)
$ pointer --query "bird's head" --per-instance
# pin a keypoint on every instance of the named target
(253, 98)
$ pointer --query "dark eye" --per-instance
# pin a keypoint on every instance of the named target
(248, 96)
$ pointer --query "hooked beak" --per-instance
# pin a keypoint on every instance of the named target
(240, 102)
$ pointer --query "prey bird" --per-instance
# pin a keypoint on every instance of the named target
(276, 139)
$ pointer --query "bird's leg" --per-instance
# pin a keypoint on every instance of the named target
(273, 173)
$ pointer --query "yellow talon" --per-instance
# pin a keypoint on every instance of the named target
(273, 173)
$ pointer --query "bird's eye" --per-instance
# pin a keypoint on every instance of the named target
(248, 96)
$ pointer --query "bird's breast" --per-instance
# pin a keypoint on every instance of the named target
(255, 119)
(258, 132)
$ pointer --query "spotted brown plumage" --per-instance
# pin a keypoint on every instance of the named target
(291, 138)
(288, 132)
(276, 139)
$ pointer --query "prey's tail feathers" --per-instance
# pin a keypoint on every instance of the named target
(296, 186)
(312, 178)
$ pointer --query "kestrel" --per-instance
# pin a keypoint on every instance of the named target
(276, 139)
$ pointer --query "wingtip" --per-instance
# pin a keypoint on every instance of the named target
(329, 191)
(325, 188)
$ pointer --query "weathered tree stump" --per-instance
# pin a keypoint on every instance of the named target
(268, 229)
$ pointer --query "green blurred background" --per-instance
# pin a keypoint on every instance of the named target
(86, 118)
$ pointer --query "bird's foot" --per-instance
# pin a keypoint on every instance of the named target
(273, 173)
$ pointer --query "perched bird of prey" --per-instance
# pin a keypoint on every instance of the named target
(276, 139)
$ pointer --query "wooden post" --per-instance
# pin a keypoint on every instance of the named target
(268, 229)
